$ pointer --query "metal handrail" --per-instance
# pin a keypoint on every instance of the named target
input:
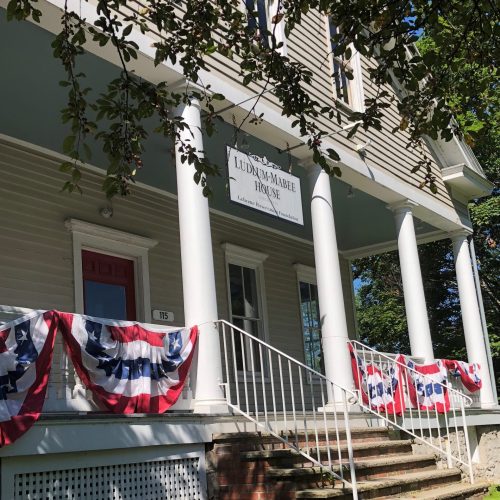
(416, 421)
(262, 382)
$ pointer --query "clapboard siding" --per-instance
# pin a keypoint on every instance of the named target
(36, 268)
(308, 44)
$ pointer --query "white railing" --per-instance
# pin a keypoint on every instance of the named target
(440, 431)
(288, 400)
(456, 383)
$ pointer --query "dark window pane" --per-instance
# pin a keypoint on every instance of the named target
(104, 300)
(236, 290)
(311, 325)
(243, 345)
(304, 292)
(250, 287)
(257, 18)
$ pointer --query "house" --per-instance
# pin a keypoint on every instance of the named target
(269, 253)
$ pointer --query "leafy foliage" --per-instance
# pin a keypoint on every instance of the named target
(188, 32)
(477, 113)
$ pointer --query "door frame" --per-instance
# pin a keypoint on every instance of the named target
(116, 243)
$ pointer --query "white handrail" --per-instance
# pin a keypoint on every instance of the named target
(421, 423)
(263, 383)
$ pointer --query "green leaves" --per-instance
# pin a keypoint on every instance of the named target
(455, 75)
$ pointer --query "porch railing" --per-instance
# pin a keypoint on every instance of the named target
(386, 360)
(444, 432)
(289, 400)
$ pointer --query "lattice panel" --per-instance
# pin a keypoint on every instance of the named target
(170, 479)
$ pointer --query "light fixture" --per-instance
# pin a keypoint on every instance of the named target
(106, 212)
(245, 146)
(361, 148)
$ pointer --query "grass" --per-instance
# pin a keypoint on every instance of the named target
(494, 492)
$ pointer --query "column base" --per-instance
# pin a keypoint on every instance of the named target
(339, 408)
(211, 407)
(489, 406)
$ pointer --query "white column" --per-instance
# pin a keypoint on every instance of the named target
(330, 293)
(471, 318)
(198, 278)
(413, 287)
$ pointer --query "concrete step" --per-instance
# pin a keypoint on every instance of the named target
(390, 486)
(449, 492)
(361, 449)
(379, 467)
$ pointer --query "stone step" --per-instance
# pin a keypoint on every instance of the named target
(374, 468)
(390, 486)
(357, 433)
(363, 449)
(449, 492)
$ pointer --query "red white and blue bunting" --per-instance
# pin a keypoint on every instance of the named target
(128, 367)
(381, 390)
(405, 383)
(428, 388)
(26, 348)
(467, 372)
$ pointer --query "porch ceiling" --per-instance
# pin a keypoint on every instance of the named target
(364, 222)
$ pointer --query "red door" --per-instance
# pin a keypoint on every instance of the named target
(108, 286)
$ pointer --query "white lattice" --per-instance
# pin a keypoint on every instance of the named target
(177, 479)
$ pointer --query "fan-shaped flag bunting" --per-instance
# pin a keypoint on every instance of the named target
(26, 347)
(129, 368)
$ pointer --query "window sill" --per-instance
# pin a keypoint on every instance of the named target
(344, 106)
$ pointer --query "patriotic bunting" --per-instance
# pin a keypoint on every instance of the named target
(428, 389)
(405, 383)
(128, 368)
(134, 368)
(382, 391)
(26, 347)
(468, 373)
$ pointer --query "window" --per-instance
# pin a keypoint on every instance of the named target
(266, 19)
(245, 280)
(347, 89)
(108, 286)
(113, 266)
(257, 18)
(310, 317)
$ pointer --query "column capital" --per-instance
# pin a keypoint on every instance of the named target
(402, 206)
(460, 234)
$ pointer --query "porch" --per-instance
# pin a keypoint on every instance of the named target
(276, 399)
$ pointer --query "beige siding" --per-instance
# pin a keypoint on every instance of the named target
(308, 44)
(36, 269)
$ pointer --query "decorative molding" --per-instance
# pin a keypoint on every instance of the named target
(460, 234)
(114, 242)
(402, 206)
(379, 248)
(469, 183)
(305, 273)
(89, 229)
(244, 256)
